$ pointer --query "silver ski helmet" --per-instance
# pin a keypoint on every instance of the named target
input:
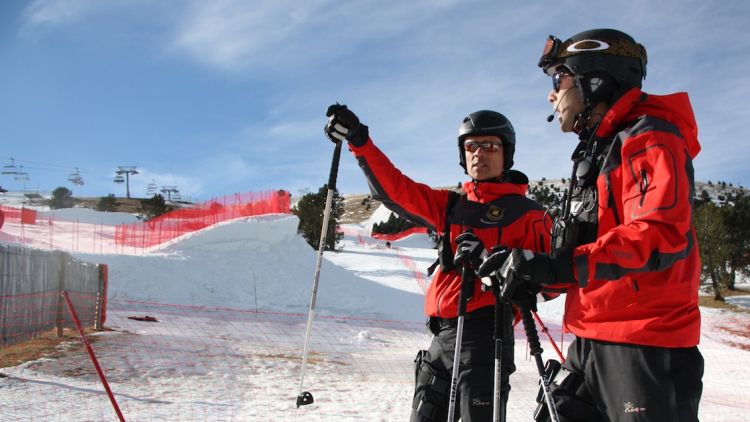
(487, 122)
(605, 63)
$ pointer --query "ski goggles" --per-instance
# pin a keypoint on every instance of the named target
(549, 54)
(555, 51)
(472, 146)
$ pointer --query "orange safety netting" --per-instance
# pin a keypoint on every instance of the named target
(25, 215)
(176, 223)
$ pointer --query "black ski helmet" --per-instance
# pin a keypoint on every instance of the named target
(486, 122)
(605, 62)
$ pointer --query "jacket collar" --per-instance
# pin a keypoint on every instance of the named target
(673, 108)
(514, 183)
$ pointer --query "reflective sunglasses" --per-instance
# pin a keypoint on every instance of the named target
(472, 146)
(557, 80)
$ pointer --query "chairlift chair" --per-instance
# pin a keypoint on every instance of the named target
(10, 168)
(22, 175)
(76, 178)
(151, 190)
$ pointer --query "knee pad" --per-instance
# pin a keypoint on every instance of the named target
(430, 392)
(570, 396)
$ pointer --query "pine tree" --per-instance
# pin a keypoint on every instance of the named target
(153, 207)
(62, 197)
(107, 203)
(544, 196)
(394, 224)
(310, 209)
(714, 250)
(736, 217)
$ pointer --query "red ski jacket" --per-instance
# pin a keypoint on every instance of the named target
(638, 282)
(498, 213)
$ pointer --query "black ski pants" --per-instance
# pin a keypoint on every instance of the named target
(474, 398)
(635, 383)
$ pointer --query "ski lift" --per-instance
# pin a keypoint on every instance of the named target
(176, 197)
(76, 178)
(151, 190)
(22, 175)
(119, 179)
(10, 168)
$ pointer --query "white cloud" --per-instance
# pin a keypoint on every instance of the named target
(55, 12)
(235, 35)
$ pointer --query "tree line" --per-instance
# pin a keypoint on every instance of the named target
(722, 228)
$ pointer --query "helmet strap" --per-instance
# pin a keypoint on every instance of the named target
(582, 120)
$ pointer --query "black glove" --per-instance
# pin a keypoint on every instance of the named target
(469, 250)
(524, 273)
(344, 124)
(487, 271)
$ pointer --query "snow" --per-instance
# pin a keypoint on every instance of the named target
(88, 216)
(231, 303)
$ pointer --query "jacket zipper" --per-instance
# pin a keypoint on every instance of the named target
(643, 186)
(611, 199)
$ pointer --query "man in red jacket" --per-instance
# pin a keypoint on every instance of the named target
(494, 208)
(625, 240)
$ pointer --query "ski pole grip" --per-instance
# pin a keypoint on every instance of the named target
(530, 327)
(334, 166)
(467, 288)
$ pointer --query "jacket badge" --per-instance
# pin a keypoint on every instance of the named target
(495, 213)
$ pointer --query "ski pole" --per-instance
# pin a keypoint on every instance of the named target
(498, 409)
(536, 350)
(467, 287)
(305, 397)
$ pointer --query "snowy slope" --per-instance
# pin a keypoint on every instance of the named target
(248, 262)
(226, 363)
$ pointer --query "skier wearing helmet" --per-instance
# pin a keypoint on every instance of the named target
(624, 243)
(493, 211)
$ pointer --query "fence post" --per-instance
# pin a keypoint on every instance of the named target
(101, 298)
(59, 322)
(90, 351)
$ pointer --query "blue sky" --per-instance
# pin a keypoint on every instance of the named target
(225, 96)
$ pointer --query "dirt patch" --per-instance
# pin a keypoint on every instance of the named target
(313, 358)
(738, 345)
(44, 346)
(358, 208)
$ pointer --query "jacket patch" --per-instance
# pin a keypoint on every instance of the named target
(495, 213)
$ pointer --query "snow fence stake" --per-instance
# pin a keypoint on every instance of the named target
(545, 330)
(305, 397)
(92, 356)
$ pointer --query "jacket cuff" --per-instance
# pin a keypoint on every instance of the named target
(564, 266)
(581, 263)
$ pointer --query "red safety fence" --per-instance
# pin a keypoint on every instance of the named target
(24, 215)
(179, 222)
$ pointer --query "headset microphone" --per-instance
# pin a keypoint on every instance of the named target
(551, 117)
